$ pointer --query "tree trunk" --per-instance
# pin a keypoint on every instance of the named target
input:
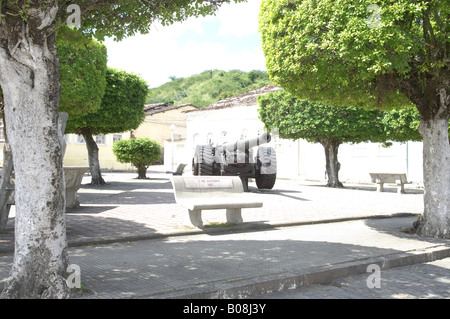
(7, 170)
(5, 193)
(331, 147)
(435, 221)
(30, 81)
(94, 164)
(142, 172)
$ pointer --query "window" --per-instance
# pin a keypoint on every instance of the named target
(80, 139)
(117, 137)
(100, 139)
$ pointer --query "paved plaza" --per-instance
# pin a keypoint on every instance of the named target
(131, 240)
(127, 208)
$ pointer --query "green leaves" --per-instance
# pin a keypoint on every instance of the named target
(139, 152)
(327, 50)
(121, 109)
(123, 18)
(82, 71)
(313, 121)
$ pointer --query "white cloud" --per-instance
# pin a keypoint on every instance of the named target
(239, 19)
(161, 53)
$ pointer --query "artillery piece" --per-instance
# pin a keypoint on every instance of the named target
(237, 159)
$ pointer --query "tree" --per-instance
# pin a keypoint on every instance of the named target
(31, 87)
(83, 66)
(83, 78)
(141, 152)
(319, 123)
(83, 71)
(388, 55)
(121, 109)
(402, 124)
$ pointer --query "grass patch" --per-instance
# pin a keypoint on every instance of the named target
(219, 225)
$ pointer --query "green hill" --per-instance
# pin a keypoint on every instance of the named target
(207, 87)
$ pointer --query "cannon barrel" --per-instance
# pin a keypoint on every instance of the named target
(245, 145)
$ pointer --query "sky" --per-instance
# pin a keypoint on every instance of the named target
(229, 40)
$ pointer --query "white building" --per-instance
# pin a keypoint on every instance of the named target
(237, 117)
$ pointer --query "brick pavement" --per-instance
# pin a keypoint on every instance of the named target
(216, 265)
(130, 209)
(420, 281)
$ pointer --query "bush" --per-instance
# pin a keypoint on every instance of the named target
(141, 152)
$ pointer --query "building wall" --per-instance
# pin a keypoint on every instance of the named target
(358, 160)
(77, 154)
(300, 159)
(157, 126)
(173, 159)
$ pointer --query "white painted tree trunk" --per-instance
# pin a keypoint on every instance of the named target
(30, 82)
(435, 221)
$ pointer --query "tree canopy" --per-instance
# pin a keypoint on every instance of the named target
(141, 152)
(328, 51)
(121, 109)
(313, 121)
(124, 18)
(114, 18)
(83, 65)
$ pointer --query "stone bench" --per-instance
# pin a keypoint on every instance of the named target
(73, 177)
(179, 170)
(197, 193)
(397, 178)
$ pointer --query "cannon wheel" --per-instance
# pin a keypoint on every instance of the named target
(203, 160)
(266, 155)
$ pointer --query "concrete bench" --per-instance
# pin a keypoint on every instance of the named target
(398, 178)
(73, 176)
(179, 170)
(197, 193)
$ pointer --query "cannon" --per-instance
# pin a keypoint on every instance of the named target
(237, 159)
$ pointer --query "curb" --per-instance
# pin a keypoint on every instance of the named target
(244, 227)
(323, 275)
